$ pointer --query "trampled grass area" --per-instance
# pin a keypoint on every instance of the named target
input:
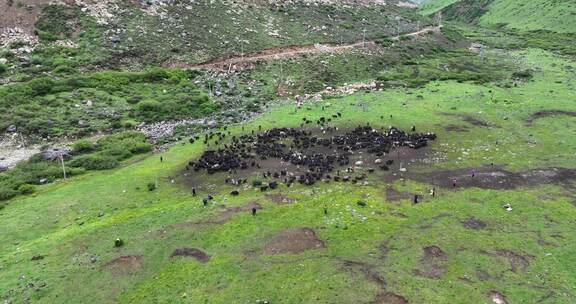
(524, 254)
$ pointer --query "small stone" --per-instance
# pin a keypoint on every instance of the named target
(37, 257)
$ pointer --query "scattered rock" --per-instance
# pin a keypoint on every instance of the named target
(390, 298)
(497, 298)
(55, 153)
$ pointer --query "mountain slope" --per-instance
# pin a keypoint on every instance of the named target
(552, 15)
(429, 7)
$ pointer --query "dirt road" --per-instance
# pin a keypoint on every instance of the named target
(293, 51)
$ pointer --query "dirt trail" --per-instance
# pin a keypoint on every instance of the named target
(292, 51)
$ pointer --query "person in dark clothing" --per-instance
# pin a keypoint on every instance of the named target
(205, 201)
(254, 211)
(193, 191)
(415, 199)
(161, 159)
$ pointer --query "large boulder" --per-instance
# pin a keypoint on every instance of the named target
(55, 153)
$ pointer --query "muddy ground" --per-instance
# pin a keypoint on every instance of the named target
(197, 254)
(548, 113)
(295, 240)
(125, 264)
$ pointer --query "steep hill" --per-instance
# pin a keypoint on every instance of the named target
(429, 7)
(153, 32)
(553, 15)
(557, 16)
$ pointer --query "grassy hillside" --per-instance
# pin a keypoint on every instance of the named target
(553, 15)
(432, 6)
(460, 246)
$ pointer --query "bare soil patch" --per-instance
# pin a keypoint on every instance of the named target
(482, 275)
(390, 298)
(474, 223)
(473, 120)
(516, 260)
(290, 156)
(548, 113)
(367, 270)
(456, 128)
(125, 264)
(431, 263)
(295, 240)
(489, 177)
(280, 199)
(224, 215)
(198, 254)
(392, 195)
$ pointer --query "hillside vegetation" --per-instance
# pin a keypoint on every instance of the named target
(556, 16)
(429, 7)
(287, 152)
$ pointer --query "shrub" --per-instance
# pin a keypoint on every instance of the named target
(41, 86)
(7, 193)
(95, 162)
(26, 189)
(3, 68)
(82, 146)
(133, 100)
(526, 75)
(151, 186)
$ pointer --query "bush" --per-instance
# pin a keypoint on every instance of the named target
(7, 193)
(525, 75)
(41, 86)
(151, 186)
(3, 68)
(26, 189)
(95, 162)
(82, 146)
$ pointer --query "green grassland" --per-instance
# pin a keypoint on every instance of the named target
(73, 223)
(555, 16)
(432, 6)
(522, 16)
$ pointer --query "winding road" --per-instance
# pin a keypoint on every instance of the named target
(293, 51)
